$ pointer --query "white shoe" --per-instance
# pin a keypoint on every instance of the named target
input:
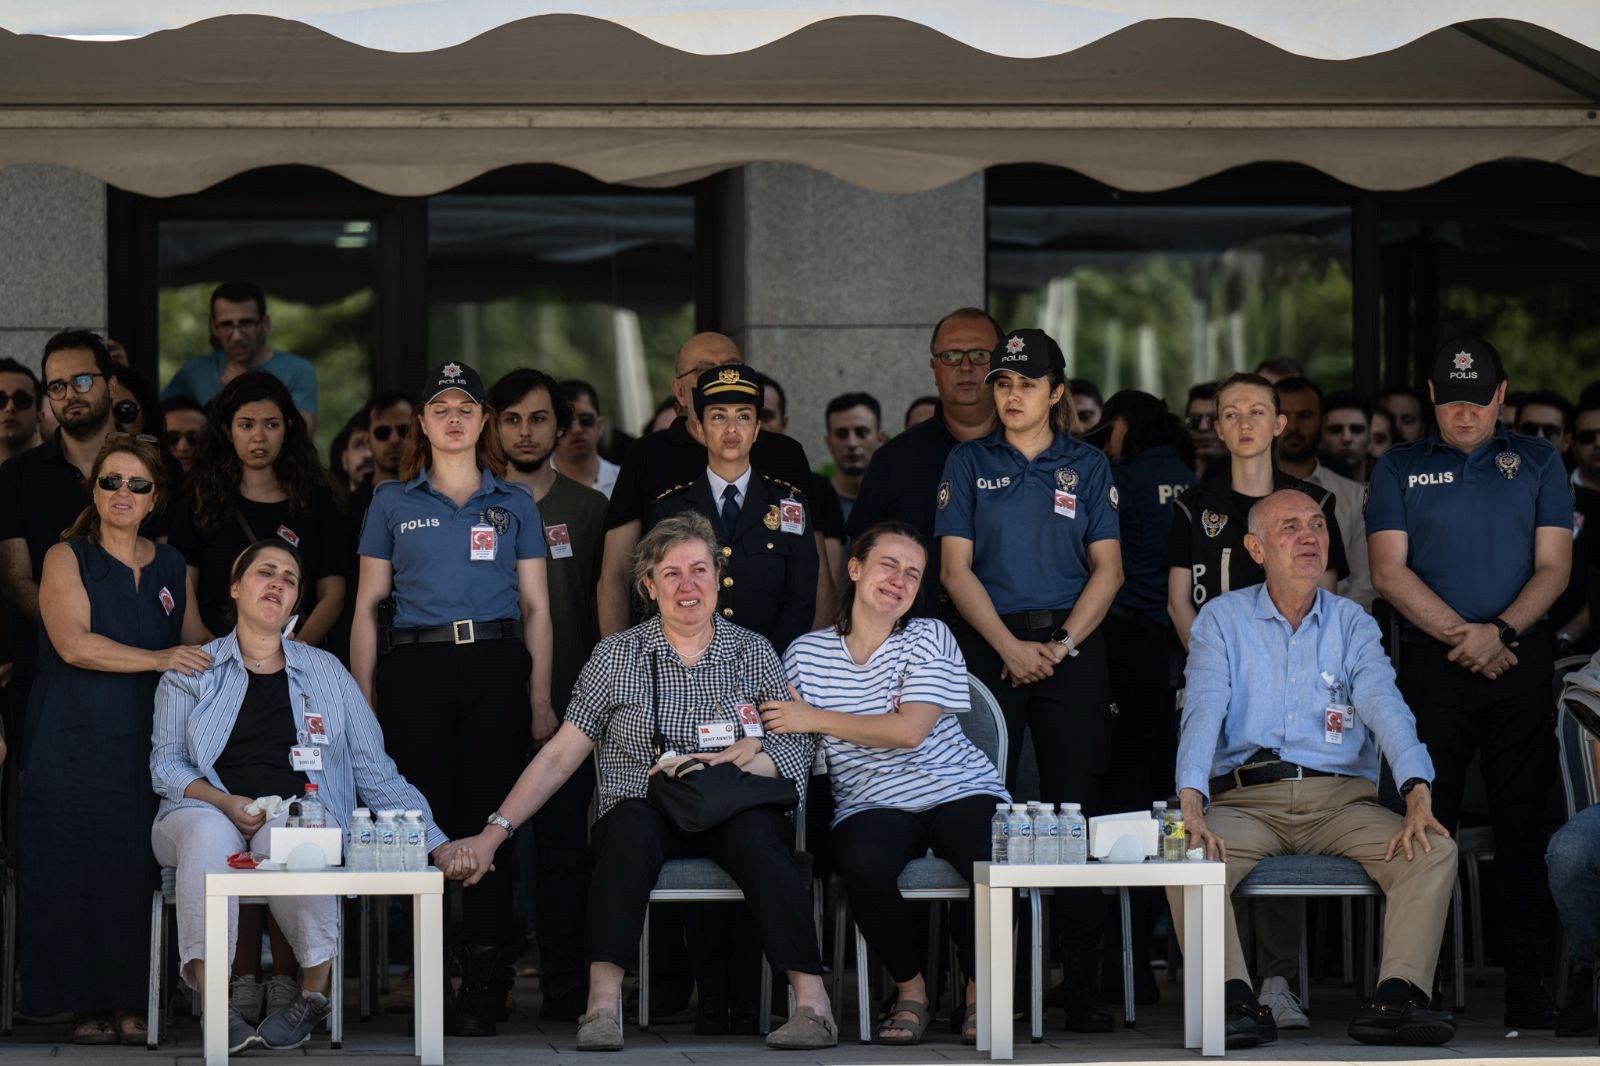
(1284, 1004)
(244, 996)
(281, 991)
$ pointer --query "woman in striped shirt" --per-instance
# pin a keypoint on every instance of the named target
(905, 777)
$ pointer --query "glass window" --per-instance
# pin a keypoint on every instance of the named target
(318, 276)
(1159, 297)
(599, 287)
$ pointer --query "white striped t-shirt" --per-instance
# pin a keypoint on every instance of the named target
(919, 664)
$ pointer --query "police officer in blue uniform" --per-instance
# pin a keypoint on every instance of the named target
(1470, 535)
(464, 678)
(769, 581)
(1027, 520)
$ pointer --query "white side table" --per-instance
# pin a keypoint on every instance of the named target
(1204, 895)
(427, 939)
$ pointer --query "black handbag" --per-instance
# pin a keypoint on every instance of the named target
(696, 797)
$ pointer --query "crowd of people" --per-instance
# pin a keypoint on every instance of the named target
(1274, 603)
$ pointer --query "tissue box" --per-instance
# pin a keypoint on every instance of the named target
(1107, 829)
(285, 840)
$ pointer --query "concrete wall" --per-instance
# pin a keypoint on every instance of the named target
(831, 288)
(52, 256)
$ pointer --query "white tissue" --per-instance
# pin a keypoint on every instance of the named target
(1195, 855)
(271, 806)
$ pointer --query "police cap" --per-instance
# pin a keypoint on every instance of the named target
(732, 383)
(1033, 353)
(452, 375)
(1466, 370)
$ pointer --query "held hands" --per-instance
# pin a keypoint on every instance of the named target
(1027, 661)
(474, 856)
(455, 860)
(184, 658)
(793, 715)
(1419, 820)
(1477, 647)
(1194, 825)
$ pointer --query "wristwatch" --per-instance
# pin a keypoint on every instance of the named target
(496, 818)
(1062, 637)
(1508, 634)
(1411, 783)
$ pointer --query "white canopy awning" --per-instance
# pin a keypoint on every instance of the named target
(415, 97)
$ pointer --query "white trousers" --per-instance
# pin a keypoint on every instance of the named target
(197, 841)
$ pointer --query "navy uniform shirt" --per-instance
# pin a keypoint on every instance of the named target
(1030, 522)
(1208, 528)
(1470, 519)
(1149, 484)
(902, 484)
(769, 573)
(429, 541)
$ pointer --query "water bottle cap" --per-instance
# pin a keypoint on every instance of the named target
(1074, 806)
(362, 812)
(1019, 807)
(413, 814)
(311, 786)
(1161, 805)
(1002, 806)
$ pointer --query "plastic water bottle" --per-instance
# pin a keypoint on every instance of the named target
(999, 854)
(1074, 835)
(1019, 833)
(1046, 835)
(388, 850)
(1174, 838)
(414, 849)
(362, 840)
(312, 816)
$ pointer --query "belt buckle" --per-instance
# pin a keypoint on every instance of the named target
(455, 629)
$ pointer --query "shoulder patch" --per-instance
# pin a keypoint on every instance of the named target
(674, 489)
(786, 486)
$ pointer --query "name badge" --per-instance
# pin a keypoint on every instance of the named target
(750, 720)
(559, 541)
(305, 758)
(716, 735)
(792, 516)
(167, 602)
(1335, 719)
(482, 544)
(285, 533)
(1066, 504)
(315, 728)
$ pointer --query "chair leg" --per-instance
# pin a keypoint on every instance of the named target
(1347, 912)
(1036, 976)
(383, 947)
(932, 970)
(336, 991)
(158, 959)
(838, 962)
(1126, 907)
(1475, 905)
(766, 997)
(644, 973)
(1370, 952)
(1459, 936)
(8, 991)
(863, 993)
(367, 960)
(1305, 959)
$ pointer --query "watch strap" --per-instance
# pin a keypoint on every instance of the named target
(496, 818)
(1411, 783)
(1505, 627)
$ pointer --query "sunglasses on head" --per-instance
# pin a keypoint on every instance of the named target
(1547, 430)
(382, 433)
(142, 438)
(22, 399)
(80, 383)
(137, 485)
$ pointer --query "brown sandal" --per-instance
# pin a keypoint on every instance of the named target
(97, 1030)
(969, 1026)
(131, 1029)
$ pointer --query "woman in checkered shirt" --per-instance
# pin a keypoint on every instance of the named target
(698, 671)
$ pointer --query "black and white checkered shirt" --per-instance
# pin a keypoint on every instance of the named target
(611, 702)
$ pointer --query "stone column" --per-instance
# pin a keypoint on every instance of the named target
(52, 256)
(832, 288)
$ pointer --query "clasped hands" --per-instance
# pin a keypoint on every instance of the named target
(1476, 646)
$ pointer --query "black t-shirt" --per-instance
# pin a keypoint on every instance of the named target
(1208, 528)
(826, 516)
(255, 760)
(670, 457)
(321, 535)
(1585, 557)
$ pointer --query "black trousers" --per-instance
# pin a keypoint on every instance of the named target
(1510, 724)
(456, 720)
(756, 848)
(872, 847)
(560, 847)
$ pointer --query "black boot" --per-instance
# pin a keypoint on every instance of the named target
(475, 1007)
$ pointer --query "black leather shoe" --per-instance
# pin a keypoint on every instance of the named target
(1578, 1018)
(1246, 1025)
(475, 1000)
(1405, 1024)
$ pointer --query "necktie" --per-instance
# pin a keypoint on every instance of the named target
(730, 511)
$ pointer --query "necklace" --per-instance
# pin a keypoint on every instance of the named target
(255, 664)
(690, 658)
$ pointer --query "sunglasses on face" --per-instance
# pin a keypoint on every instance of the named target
(124, 411)
(191, 437)
(587, 421)
(382, 433)
(137, 485)
(80, 383)
(1200, 421)
(1547, 430)
(954, 357)
(1586, 436)
(22, 400)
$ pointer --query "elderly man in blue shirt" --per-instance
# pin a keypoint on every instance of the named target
(1290, 699)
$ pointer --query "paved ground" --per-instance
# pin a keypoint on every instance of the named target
(524, 1041)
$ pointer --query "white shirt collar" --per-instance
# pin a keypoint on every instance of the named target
(741, 483)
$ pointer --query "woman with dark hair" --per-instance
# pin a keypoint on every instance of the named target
(115, 616)
(256, 476)
(463, 677)
(905, 777)
(1027, 521)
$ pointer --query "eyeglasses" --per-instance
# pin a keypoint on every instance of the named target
(381, 433)
(694, 371)
(80, 383)
(137, 485)
(22, 400)
(1586, 436)
(1547, 430)
(954, 357)
(191, 437)
(142, 438)
(586, 420)
(1200, 421)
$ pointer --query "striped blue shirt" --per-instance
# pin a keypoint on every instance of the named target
(919, 664)
(195, 715)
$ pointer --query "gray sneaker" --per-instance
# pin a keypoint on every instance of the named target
(242, 1035)
(244, 996)
(291, 1027)
(280, 992)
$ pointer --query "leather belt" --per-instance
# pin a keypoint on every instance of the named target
(1034, 621)
(1264, 774)
(466, 631)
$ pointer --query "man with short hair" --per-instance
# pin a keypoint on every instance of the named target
(902, 481)
(1289, 702)
(1470, 538)
(1347, 430)
(1087, 403)
(854, 423)
(1200, 418)
(1284, 366)
(19, 409)
(186, 421)
(388, 426)
(578, 451)
(240, 326)
(1407, 410)
(920, 410)
(533, 415)
(1586, 445)
(1546, 414)
(1300, 402)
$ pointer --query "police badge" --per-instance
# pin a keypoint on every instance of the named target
(774, 519)
(1067, 479)
(498, 517)
(1212, 522)
(1508, 463)
(728, 376)
(944, 495)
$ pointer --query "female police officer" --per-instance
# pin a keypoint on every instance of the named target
(462, 553)
(1027, 521)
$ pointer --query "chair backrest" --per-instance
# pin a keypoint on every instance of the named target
(984, 725)
(1578, 749)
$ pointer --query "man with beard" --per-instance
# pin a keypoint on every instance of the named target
(43, 490)
(1300, 401)
(533, 414)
